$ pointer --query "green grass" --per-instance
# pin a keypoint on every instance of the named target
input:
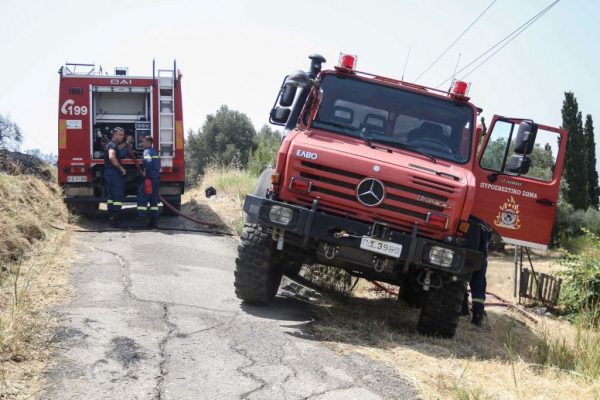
(581, 355)
(232, 184)
(231, 181)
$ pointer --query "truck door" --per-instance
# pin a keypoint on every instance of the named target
(518, 171)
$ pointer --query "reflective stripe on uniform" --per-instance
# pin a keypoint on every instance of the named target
(147, 158)
(153, 208)
(109, 201)
(117, 203)
(476, 300)
(142, 208)
(154, 157)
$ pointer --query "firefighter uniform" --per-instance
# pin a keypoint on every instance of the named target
(113, 182)
(478, 281)
(148, 204)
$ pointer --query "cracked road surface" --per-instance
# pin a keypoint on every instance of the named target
(154, 316)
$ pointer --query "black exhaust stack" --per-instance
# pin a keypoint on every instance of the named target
(316, 61)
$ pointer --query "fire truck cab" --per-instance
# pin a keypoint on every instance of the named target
(91, 104)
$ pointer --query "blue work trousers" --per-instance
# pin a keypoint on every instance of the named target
(115, 191)
(478, 281)
(478, 286)
(148, 205)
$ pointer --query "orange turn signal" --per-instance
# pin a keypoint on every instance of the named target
(463, 226)
(275, 178)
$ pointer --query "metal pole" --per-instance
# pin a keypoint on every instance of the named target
(515, 270)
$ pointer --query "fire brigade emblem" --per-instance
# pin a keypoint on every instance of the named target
(508, 217)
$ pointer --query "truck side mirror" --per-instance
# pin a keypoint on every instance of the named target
(525, 137)
(288, 94)
(519, 164)
(279, 115)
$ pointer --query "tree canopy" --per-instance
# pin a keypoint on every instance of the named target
(11, 135)
(580, 159)
(226, 138)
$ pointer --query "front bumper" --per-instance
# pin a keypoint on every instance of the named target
(310, 223)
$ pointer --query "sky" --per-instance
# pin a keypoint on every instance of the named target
(237, 52)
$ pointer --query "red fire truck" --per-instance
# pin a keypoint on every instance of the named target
(92, 103)
(394, 182)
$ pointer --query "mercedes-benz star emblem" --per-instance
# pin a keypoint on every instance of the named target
(370, 192)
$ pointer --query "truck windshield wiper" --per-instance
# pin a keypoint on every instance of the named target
(403, 146)
(336, 124)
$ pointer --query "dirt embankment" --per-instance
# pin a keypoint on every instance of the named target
(33, 269)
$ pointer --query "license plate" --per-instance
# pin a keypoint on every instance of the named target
(379, 246)
(77, 178)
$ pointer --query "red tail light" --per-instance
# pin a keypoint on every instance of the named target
(437, 220)
(78, 170)
(300, 185)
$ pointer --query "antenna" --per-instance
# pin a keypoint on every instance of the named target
(405, 63)
(456, 66)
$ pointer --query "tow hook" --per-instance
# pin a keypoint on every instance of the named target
(341, 234)
(427, 281)
(379, 264)
(330, 251)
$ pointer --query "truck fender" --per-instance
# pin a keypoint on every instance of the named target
(262, 186)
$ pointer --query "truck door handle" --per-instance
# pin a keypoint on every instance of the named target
(545, 202)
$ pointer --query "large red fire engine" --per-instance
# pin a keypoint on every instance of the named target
(91, 104)
(393, 181)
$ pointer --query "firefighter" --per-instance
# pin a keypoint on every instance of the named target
(148, 203)
(478, 282)
(113, 177)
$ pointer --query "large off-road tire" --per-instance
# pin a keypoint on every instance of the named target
(411, 293)
(441, 309)
(263, 183)
(257, 274)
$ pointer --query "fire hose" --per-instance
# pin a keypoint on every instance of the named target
(502, 302)
(169, 205)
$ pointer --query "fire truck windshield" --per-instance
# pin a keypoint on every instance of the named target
(396, 117)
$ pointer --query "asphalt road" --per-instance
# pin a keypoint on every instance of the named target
(154, 316)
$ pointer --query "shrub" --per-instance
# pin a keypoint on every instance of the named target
(264, 156)
(581, 288)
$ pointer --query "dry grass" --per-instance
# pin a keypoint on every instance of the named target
(27, 205)
(499, 361)
(232, 185)
(33, 261)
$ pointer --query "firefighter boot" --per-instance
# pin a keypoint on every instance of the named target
(478, 314)
(152, 224)
(140, 223)
(113, 222)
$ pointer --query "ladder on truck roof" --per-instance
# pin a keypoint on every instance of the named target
(166, 114)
